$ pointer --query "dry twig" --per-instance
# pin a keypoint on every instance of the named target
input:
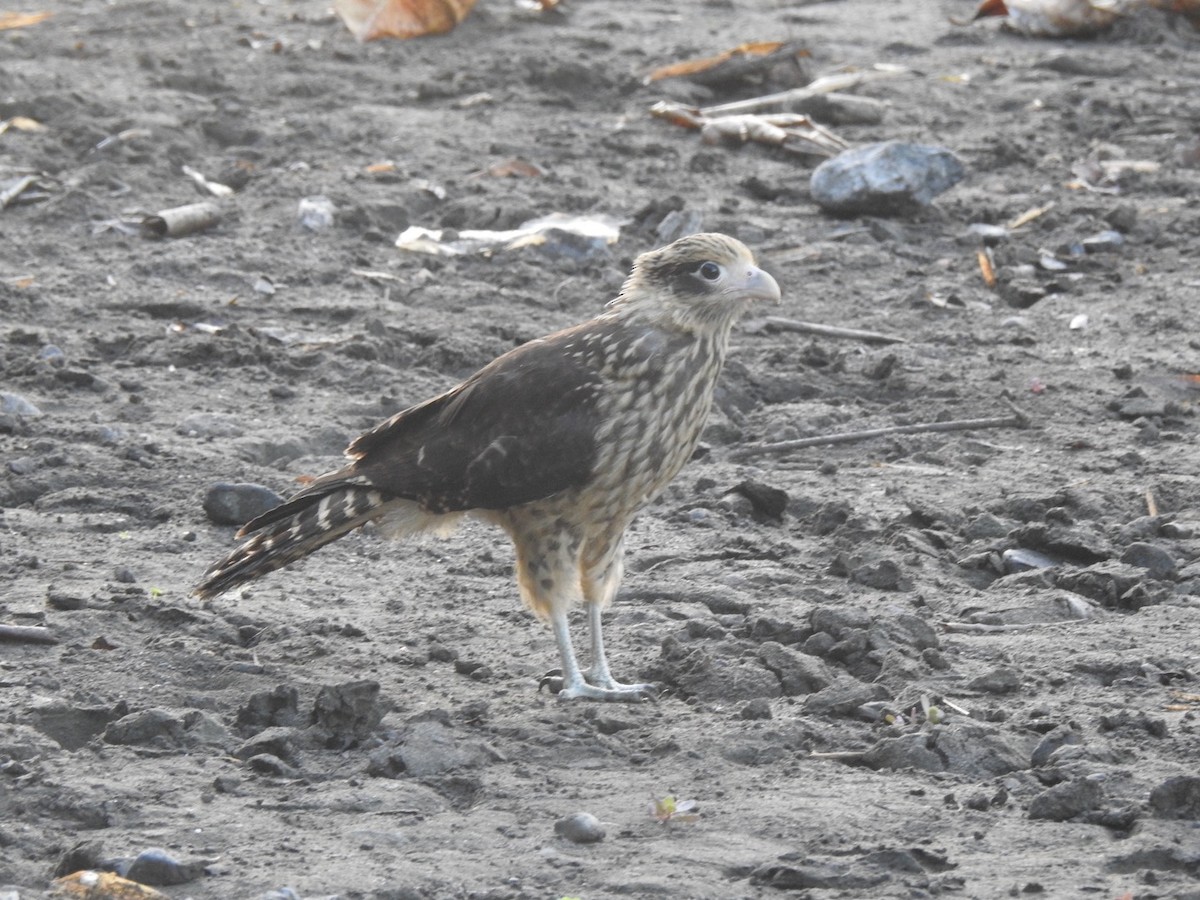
(778, 323)
(1018, 419)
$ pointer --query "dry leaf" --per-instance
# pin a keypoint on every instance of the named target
(693, 66)
(369, 20)
(21, 20)
(1054, 18)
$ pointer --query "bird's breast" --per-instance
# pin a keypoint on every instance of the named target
(657, 395)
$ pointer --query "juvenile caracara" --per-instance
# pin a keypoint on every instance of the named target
(560, 442)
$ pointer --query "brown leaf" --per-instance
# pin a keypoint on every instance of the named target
(369, 20)
(693, 66)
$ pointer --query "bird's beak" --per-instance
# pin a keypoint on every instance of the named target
(759, 285)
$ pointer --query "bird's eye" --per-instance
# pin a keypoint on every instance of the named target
(709, 271)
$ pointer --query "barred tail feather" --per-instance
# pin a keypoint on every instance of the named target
(294, 530)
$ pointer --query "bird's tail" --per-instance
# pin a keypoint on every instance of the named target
(310, 520)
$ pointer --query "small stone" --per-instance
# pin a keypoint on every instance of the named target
(1066, 800)
(884, 178)
(1157, 561)
(237, 504)
(1141, 407)
(882, 574)
(316, 213)
(580, 828)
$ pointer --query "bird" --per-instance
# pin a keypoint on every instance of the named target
(560, 442)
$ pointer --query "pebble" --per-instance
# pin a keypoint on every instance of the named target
(884, 178)
(316, 213)
(1177, 798)
(236, 504)
(580, 828)
(882, 574)
(17, 405)
(1157, 561)
(156, 866)
(1066, 800)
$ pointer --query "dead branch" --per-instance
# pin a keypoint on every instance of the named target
(778, 323)
(1018, 419)
(786, 100)
(27, 634)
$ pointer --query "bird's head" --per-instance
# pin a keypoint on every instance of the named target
(699, 282)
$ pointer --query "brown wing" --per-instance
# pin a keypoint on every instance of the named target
(520, 429)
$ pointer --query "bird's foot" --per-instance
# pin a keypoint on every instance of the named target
(608, 690)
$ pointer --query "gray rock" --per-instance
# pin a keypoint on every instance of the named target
(1066, 800)
(998, 681)
(278, 706)
(15, 404)
(1177, 798)
(965, 748)
(1061, 736)
(237, 504)
(349, 712)
(429, 746)
(157, 867)
(278, 741)
(146, 726)
(798, 673)
(1155, 559)
(882, 574)
(73, 726)
(844, 697)
(886, 178)
(580, 828)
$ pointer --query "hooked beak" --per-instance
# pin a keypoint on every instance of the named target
(759, 285)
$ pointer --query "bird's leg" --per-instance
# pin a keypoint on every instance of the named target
(599, 588)
(575, 685)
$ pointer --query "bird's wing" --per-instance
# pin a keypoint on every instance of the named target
(522, 428)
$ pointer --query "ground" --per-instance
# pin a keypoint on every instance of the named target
(368, 724)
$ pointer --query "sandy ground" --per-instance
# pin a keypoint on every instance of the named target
(368, 723)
